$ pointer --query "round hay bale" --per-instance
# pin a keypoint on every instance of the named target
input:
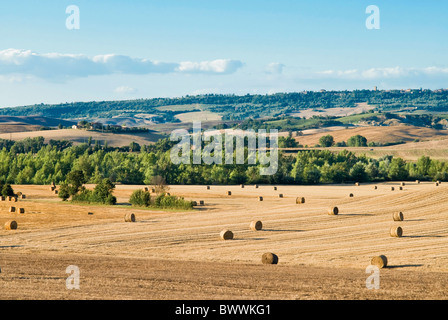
(153, 190)
(269, 258)
(208, 187)
(256, 186)
(437, 184)
(333, 211)
(23, 196)
(229, 193)
(226, 235)
(242, 186)
(401, 188)
(351, 195)
(12, 209)
(256, 225)
(357, 184)
(201, 202)
(379, 261)
(11, 225)
(417, 181)
(260, 198)
(52, 188)
(275, 188)
(375, 187)
(398, 216)
(13, 199)
(129, 217)
(392, 189)
(194, 203)
(402, 184)
(146, 189)
(280, 195)
(21, 210)
(56, 191)
(2, 198)
(300, 200)
(396, 232)
(90, 213)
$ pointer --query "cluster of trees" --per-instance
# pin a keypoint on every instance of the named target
(310, 166)
(32, 145)
(96, 126)
(163, 200)
(354, 141)
(74, 187)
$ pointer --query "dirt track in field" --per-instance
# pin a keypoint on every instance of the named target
(178, 255)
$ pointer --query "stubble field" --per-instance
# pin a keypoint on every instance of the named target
(179, 255)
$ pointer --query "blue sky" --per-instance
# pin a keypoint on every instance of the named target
(146, 49)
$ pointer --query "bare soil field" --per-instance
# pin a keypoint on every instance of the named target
(376, 134)
(168, 254)
(82, 136)
(334, 112)
(6, 128)
(198, 116)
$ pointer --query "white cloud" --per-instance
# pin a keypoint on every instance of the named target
(274, 68)
(220, 66)
(58, 65)
(125, 90)
(383, 73)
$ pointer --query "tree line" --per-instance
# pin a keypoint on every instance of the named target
(50, 164)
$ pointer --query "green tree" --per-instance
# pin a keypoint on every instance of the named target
(64, 191)
(102, 193)
(75, 179)
(397, 170)
(357, 141)
(140, 198)
(134, 147)
(288, 142)
(358, 172)
(311, 174)
(423, 165)
(7, 191)
(326, 141)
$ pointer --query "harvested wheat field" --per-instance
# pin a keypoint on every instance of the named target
(167, 254)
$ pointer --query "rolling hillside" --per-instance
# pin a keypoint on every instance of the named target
(82, 136)
(381, 134)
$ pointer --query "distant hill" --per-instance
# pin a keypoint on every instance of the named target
(237, 108)
(11, 124)
(34, 120)
(82, 136)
